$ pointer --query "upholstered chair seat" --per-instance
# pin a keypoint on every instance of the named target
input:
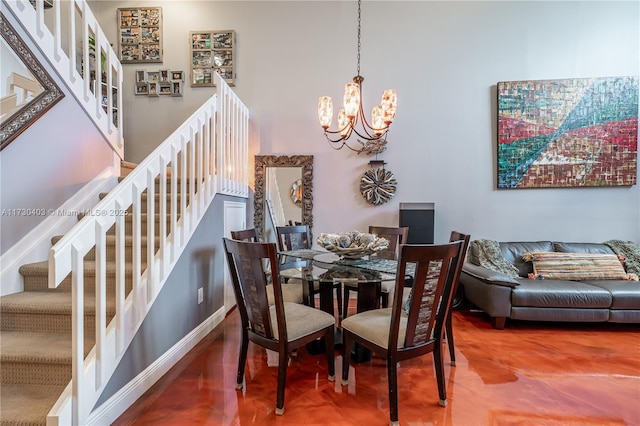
(301, 321)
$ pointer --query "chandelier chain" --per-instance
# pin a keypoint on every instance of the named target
(359, 13)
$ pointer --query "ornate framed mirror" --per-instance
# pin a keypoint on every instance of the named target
(27, 92)
(266, 188)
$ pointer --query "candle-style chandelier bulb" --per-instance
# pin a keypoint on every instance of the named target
(389, 105)
(325, 111)
(351, 99)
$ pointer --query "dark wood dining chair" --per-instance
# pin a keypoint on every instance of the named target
(249, 234)
(293, 292)
(298, 237)
(396, 236)
(411, 329)
(465, 238)
(282, 327)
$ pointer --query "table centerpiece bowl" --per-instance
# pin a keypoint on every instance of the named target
(353, 244)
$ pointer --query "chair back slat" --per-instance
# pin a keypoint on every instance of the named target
(293, 237)
(245, 235)
(420, 324)
(396, 237)
(251, 265)
(434, 266)
(297, 237)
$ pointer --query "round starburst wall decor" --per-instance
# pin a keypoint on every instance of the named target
(378, 186)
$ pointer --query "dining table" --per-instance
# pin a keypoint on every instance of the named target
(327, 268)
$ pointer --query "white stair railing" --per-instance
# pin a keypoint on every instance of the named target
(208, 154)
(53, 30)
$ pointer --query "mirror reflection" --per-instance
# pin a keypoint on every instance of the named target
(284, 188)
(19, 86)
(283, 192)
(26, 89)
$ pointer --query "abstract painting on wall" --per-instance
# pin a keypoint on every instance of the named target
(580, 132)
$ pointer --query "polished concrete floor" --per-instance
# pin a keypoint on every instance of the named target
(528, 374)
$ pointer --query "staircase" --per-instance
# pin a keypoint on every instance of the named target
(35, 330)
(63, 336)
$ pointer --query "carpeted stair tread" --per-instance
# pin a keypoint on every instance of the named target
(129, 217)
(27, 404)
(39, 268)
(41, 302)
(36, 276)
(111, 240)
(34, 347)
(143, 197)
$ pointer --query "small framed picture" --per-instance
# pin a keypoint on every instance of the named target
(165, 88)
(225, 73)
(222, 58)
(140, 76)
(142, 89)
(202, 77)
(201, 40)
(164, 76)
(223, 39)
(129, 53)
(177, 75)
(154, 89)
(176, 88)
(150, 53)
(153, 76)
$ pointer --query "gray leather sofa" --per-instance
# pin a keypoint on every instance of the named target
(522, 298)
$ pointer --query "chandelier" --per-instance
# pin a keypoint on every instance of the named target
(372, 137)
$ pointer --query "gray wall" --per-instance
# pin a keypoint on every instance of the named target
(49, 162)
(444, 59)
(175, 312)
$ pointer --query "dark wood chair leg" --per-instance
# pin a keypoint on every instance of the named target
(329, 345)
(345, 306)
(242, 358)
(311, 300)
(439, 367)
(392, 373)
(449, 334)
(385, 299)
(346, 358)
(282, 379)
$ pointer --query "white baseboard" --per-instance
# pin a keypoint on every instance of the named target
(34, 247)
(113, 408)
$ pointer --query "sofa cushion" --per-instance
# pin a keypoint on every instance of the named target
(513, 251)
(560, 294)
(626, 294)
(576, 266)
(594, 248)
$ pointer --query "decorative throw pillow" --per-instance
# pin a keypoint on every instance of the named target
(630, 251)
(486, 253)
(575, 266)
